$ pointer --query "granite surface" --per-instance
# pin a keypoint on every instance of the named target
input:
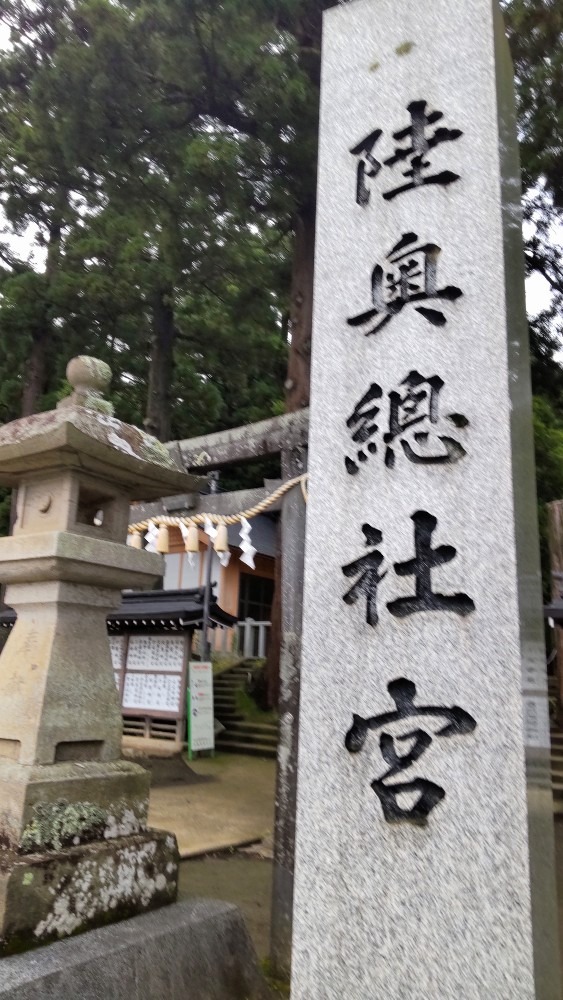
(449, 908)
(196, 950)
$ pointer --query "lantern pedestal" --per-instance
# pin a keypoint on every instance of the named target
(52, 894)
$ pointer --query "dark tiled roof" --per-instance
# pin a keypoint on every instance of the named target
(554, 611)
(155, 610)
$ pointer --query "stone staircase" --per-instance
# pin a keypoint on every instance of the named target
(557, 771)
(259, 739)
(556, 752)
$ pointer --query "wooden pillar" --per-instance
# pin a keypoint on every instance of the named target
(555, 536)
(294, 463)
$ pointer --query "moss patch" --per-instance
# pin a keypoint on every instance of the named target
(224, 661)
(247, 706)
(279, 986)
(57, 824)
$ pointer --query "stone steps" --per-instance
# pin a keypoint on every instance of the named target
(249, 739)
(557, 770)
(250, 749)
(240, 735)
(267, 728)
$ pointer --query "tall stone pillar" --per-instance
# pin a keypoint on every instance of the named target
(75, 851)
(424, 840)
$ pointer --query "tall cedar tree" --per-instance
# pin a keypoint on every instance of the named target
(165, 154)
(161, 206)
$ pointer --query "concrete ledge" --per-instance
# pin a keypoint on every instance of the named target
(195, 950)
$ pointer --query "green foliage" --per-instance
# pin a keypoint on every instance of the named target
(280, 987)
(224, 661)
(157, 154)
(535, 29)
(548, 435)
(5, 506)
(115, 153)
(249, 709)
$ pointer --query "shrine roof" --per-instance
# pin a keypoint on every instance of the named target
(156, 611)
(555, 611)
(158, 608)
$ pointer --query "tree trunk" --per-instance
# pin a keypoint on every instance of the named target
(297, 388)
(157, 420)
(36, 373)
(36, 376)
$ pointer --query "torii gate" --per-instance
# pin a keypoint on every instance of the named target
(287, 436)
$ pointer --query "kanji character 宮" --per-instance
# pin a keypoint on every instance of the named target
(457, 723)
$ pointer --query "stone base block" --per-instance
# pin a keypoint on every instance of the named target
(194, 950)
(46, 807)
(45, 897)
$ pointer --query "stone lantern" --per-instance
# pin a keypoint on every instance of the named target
(75, 850)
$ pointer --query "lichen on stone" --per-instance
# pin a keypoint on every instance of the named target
(123, 824)
(59, 823)
(94, 401)
(128, 881)
(154, 451)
